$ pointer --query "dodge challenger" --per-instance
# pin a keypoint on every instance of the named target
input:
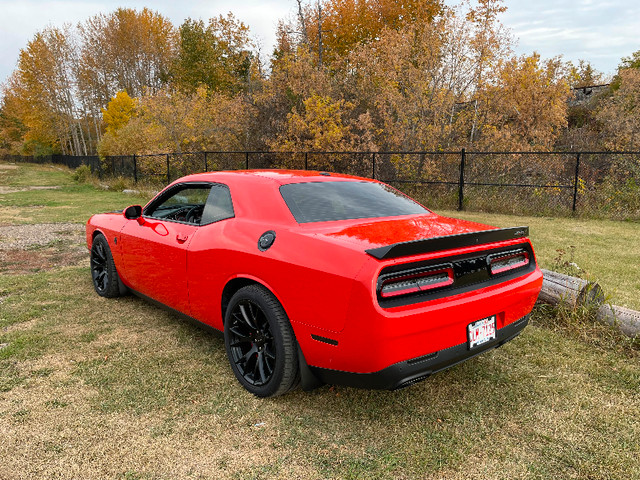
(316, 277)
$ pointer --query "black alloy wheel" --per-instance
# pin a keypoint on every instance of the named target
(260, 343)
(103, 269)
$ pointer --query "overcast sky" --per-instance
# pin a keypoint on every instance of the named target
(600, 31)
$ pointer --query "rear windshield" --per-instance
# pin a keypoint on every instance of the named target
(329, 201)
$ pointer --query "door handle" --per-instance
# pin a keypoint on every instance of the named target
(181, 238)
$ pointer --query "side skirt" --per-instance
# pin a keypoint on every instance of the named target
(182, 316)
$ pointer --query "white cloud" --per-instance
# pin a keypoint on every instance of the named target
(601, 32)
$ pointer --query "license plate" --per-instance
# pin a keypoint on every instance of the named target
(481, 332)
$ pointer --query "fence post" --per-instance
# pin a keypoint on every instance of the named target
(135, 169)
(575, 182)
(373, 165)
(246, 161)
(306, 160)
(206, 167)
(168, 173)
(461, 182)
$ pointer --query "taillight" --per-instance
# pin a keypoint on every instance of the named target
(507, 261)
(413, 282)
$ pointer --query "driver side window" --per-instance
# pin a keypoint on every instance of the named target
(184, 205)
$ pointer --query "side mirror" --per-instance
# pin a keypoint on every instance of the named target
(133, 212)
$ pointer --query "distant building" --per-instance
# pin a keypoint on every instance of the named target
(582, 95)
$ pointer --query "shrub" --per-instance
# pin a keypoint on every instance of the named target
(82, 174)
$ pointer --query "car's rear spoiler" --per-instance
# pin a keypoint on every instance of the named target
(448, 242)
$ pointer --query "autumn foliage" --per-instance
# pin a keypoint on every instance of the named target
(345, 75)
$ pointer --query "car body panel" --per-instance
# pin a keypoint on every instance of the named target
(319, 272)
(153, 252)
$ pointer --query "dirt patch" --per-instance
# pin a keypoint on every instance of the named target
(8, 167)
(33, 248)
(17, 262)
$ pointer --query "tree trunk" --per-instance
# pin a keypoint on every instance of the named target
(84, 144)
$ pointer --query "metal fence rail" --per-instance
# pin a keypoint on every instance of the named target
(603, 184)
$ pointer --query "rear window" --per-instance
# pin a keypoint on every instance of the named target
(329, 201)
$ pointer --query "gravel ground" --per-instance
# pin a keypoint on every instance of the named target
(37, 247)
(22, 237)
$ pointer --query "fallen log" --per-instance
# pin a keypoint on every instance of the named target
(558, 288)
(624, 319)
(573, 291)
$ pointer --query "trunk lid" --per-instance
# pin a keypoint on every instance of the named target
(374, 233)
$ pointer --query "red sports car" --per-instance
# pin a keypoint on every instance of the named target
(317, 277)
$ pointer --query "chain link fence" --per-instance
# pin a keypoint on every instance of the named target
(599, 184)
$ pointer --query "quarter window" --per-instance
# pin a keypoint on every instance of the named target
(218, 206)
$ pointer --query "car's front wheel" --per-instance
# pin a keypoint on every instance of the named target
(103, 269)
(260, 342)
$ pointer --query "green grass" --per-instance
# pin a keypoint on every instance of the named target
(29, 174)
(98, 388)
(72, 202)
(606, 251)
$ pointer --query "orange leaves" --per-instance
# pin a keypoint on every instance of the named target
(124, 50)
(349, 23)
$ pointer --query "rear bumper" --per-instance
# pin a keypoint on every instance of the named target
(403, 374)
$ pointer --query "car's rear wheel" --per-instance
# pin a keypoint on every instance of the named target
(260, 342)
(103, 269)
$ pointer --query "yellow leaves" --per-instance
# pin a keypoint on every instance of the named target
(119, 111)
(175, 122)
(325, 124)
(319, 127)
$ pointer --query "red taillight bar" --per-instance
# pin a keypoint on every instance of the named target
(416, 282)
(508, 261)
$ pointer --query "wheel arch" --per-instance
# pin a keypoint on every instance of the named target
(308, 380)
(236, 284)
(98, 231)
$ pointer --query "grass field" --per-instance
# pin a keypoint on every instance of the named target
(96, 388)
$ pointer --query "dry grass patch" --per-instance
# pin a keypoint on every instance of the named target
(121, 389)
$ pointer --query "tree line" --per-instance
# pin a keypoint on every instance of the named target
(409, 75)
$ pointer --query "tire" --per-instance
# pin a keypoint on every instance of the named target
(260, 343)
(103, 270)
